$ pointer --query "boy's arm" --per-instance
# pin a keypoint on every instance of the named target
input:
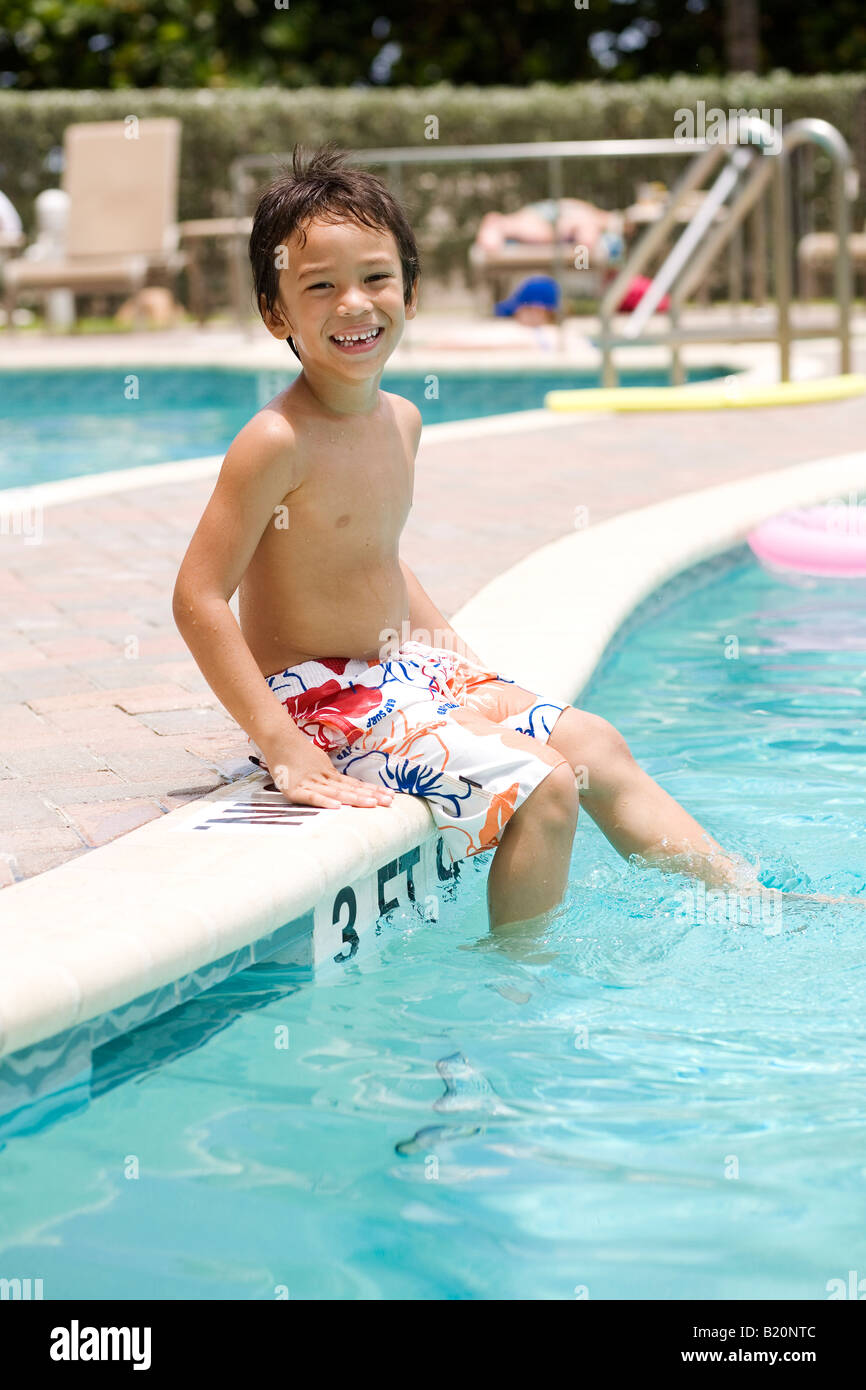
(428, 624)
(258, 471)
(431, 626)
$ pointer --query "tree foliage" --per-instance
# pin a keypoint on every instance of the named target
(105, 44)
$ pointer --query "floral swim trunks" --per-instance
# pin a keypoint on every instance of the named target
(392, 722)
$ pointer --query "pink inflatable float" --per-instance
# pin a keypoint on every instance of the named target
(828, 540)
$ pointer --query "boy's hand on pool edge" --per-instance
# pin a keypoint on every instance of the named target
(306, 777)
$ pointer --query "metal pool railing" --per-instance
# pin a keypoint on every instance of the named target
(750, 168)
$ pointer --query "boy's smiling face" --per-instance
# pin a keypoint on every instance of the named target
(341, 297)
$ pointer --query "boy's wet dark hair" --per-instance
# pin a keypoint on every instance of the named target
(322, 185)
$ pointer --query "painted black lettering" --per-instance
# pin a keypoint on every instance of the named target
(346, 898)
(407, 864)
(453, 871)
(386, 873)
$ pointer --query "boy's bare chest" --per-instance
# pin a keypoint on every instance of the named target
(354, 495)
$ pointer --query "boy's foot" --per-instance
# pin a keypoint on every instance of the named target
(752, 886)
(780, 896)
(821, 898)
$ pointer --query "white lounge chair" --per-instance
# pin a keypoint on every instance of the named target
(121, 178)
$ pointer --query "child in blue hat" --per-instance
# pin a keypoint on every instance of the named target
(535, 301)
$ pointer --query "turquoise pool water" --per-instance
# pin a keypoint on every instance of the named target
(64, 423)
(667, 1109)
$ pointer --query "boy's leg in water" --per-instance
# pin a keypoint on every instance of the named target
(633, 812)
(638, 817)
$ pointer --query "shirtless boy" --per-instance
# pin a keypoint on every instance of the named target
(306, 516)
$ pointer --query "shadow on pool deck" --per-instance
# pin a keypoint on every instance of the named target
(105, 720)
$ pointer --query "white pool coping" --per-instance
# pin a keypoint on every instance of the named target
(587, 584)
(122, 933)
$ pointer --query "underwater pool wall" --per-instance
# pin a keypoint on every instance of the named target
(122, 934)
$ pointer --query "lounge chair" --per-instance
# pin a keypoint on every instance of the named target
(122, 184)
(816, 257)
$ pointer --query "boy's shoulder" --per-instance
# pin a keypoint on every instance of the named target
(406, 414)
(266, 446)
(402, 406)
(271, 431)
(277, 431)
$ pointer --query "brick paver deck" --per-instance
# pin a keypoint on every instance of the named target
(105, 720)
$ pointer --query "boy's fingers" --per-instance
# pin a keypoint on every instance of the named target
(336, 791)
(364, 798)
(377, 793)
(316, 788)
(300, 797)
(316, 791)
(349, 797)
(314, 795)
(366, 788)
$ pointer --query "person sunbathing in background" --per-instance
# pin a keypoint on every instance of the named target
(348, 680)
(568, 220)
(602, 237)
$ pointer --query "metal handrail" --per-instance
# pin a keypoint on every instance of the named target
(655, 235)
(749, 197)
(699, 243)
(832, 142)
(773, 165)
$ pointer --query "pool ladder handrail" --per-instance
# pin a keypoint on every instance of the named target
(750, 167)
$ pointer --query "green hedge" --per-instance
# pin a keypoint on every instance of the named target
(446, 202)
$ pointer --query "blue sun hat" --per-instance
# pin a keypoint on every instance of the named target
(539, 290)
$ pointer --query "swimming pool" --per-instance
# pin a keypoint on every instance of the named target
(68, 422)
(669, 1109)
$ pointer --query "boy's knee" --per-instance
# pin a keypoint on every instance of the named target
(613, 742)
(599, 743)
(556, 799)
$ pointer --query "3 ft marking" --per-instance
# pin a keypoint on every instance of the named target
(404, 865)
(401, 880)
(346, 898)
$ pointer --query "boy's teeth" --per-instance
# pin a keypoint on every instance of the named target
(355, 337)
